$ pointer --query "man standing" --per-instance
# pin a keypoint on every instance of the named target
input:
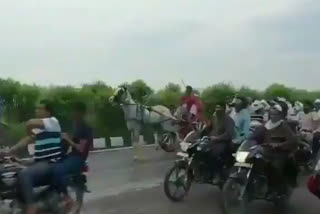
(46, 132)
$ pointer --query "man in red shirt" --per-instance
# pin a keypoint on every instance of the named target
(193, 104)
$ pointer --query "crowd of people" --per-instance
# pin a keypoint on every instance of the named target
(277, 123)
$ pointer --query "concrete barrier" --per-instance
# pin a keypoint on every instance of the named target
(100, 144)
(116, 141)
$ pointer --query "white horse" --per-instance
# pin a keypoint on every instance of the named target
(136, 115)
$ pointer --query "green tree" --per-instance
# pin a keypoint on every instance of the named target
(140, 90)
(25, 102)
(278, 90)
(248, 92)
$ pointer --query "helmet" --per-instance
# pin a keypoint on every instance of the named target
(257, 105)
(265, 104)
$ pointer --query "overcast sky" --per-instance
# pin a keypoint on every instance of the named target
(246, 42)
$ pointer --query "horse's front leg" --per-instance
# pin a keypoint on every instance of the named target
(156, 140)
(137, 148)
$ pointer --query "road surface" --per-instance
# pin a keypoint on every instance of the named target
(121, 186)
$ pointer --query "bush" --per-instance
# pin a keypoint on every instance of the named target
(18, 102)
(212, 95)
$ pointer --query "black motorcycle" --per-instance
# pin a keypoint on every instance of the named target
(48, 200)
(248, 181)
(195, 164)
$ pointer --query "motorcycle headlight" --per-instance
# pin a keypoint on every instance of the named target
(241, 156)
(184, 146)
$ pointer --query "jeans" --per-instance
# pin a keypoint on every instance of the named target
(36, 175)
(71, 165)
(219, 154)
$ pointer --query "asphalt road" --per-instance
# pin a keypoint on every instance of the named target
(121, 186)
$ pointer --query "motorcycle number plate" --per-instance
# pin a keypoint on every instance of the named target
(182, 154)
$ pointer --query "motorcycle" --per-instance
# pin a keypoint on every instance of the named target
(48, 200)
(248, 181)
(194, 164)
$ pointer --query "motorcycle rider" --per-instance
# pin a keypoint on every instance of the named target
(221, 131)
(280, 142)
(306, 129)
(257, 116)
(299, 111)
(266, 109)
(81, 141)
(241, 119)
(46, 132)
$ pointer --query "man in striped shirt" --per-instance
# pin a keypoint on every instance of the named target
(46, 132)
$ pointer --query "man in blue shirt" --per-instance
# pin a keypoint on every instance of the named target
(241, 119)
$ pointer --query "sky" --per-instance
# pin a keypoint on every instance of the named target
(248, 42)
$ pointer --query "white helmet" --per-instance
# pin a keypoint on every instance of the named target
(265, 105)
(298, 106)
(317, 101)
(256, 105)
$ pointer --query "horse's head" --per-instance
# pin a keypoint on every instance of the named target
(121, 95)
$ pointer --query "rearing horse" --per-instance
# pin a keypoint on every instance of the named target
(136, 115)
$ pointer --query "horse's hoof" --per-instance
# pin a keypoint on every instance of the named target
(138, 159)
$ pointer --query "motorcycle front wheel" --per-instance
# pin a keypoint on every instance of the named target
(232, 203)
(177, 183)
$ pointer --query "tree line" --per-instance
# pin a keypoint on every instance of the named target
(18, 101)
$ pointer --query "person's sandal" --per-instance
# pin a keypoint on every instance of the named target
(68, 203)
